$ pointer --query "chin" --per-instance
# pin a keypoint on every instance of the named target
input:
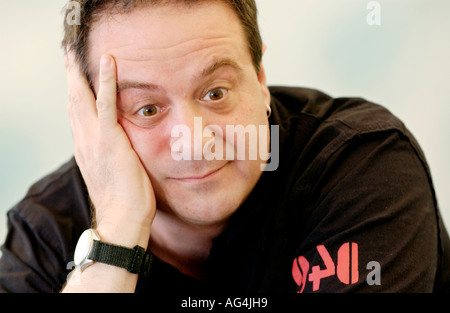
(206, 211)
(212, 200)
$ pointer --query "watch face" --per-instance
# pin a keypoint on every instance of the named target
(84, 247)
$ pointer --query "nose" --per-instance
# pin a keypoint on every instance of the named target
(186, 139)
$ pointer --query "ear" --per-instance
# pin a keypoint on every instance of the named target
(262, 80)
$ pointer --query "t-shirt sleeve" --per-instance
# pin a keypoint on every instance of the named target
(372, 221)
(32, 258)
(43, 228)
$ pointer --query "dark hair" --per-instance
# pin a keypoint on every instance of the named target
(76, 34)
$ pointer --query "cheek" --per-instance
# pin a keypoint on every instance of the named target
(149, 144)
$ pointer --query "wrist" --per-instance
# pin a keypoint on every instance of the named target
(124, 235)
(110, 260)
(101, 277)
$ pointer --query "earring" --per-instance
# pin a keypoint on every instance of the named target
(269, 110)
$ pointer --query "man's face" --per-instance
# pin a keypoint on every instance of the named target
(175, 64)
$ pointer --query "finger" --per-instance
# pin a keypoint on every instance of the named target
(81, 106)
(107, 93)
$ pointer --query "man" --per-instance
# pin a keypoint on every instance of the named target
(351, 206)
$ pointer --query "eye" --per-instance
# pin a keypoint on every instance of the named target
(150, 110)
(215, 94)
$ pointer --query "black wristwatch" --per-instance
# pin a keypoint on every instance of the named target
(90, 249)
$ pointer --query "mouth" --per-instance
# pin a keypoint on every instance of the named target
(200, 178)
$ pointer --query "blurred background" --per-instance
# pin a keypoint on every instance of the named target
(403, 64)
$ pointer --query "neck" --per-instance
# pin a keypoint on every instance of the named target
(182, 245)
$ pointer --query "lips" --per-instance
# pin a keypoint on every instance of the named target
(200, 177)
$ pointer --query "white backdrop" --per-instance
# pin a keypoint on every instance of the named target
(404, 64)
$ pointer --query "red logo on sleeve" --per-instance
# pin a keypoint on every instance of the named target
(346, 269)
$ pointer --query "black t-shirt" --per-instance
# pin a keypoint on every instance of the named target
(350, 208)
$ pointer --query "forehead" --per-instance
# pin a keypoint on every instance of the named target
(168, 33)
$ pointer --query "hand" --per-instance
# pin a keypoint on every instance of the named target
(117, 182)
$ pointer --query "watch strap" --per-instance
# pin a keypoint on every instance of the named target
(136, 260)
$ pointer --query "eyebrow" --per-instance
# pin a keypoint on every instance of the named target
(204, 73)
(219, 64)
(135, 85)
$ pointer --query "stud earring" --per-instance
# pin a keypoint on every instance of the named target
(269, 110)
